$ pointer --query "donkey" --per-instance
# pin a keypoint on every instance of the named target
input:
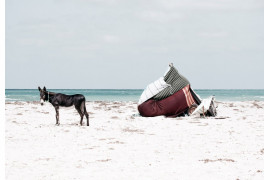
(58, 99)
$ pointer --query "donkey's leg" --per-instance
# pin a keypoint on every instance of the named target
(87, 117)
(80, 112)
(57, 115)
(85, 113)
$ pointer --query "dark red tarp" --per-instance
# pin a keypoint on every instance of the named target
(173, 105)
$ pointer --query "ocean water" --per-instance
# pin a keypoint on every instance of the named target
(134, 94)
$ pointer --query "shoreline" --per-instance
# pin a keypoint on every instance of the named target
(218, 101)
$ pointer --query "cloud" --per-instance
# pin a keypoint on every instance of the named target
(160, 16)
(212, 4)
(111, 39)
(212, 34)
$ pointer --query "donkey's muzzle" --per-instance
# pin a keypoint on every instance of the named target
(41, 102)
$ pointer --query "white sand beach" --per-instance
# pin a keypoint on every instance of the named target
(119, 144)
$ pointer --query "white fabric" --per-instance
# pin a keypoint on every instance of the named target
(204, 106)
(153, 89)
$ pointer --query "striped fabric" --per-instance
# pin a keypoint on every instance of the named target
(196, 97)
(153, 89)
(190, 100)
(177, 82)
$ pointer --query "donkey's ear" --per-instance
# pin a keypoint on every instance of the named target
(44, 88)
(39, 88)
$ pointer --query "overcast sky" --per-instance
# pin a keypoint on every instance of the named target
(128, 44)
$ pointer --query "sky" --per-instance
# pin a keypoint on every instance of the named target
(118, 44)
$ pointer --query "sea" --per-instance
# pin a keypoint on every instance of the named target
(134, 94)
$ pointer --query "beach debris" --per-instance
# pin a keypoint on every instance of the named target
(222, 117)
(206, 108)
(116, 142)
(172, 96)
(127, 129)
(114, 117)
(104, 160)
(217, 160)
(136, 115)
(257, 105)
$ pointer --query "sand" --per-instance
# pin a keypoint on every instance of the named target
(119, 144)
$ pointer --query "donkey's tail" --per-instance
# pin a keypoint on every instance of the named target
(85, 113)
(83, 109)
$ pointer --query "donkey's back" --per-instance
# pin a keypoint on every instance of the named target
(68, 100)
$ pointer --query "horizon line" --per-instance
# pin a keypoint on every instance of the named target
(133, 89)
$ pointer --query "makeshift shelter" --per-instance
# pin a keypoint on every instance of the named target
(171, 96)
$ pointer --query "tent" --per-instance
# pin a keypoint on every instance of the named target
(171, 96)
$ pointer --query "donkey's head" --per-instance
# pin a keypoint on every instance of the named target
(43, 95)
